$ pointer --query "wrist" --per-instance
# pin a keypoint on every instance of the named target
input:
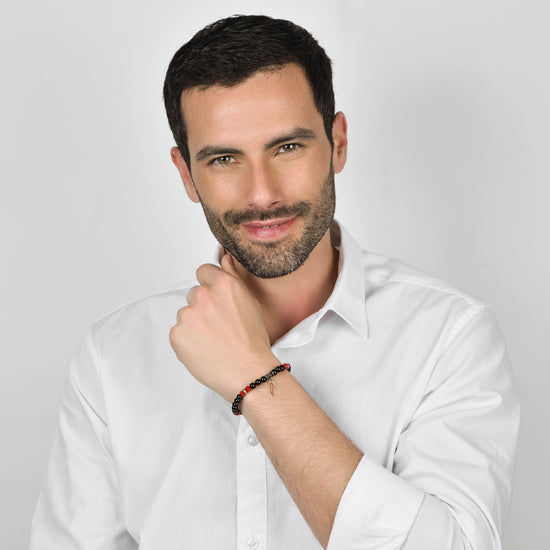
(261, 404)
(247, 370)
(261, 382)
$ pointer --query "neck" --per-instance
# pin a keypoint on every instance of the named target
(286, 301)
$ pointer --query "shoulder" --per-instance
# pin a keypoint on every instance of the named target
(394, 281)
(391, 274)
(417, 303)
(141, 318)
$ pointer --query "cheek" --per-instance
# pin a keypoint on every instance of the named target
(217, 190)
(305, 172)
(308, 180)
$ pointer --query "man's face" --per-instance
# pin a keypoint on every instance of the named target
(261, 166)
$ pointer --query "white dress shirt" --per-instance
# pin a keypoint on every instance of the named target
(412, 370)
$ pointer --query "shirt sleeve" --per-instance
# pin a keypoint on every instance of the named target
(79, 505)
(450, 484)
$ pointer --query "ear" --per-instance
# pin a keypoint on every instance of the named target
(185, 175)
(340, 141)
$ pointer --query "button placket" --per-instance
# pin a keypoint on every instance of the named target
(251, 490)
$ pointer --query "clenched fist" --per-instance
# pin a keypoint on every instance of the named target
(220, 335)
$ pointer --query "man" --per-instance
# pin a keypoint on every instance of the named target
(396, 427)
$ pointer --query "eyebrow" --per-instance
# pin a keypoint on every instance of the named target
(217, 150)
(297, 133)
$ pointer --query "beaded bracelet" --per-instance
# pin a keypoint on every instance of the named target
(257, 382)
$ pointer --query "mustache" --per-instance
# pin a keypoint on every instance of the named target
(236, 217)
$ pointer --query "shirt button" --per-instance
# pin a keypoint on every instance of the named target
(252, 541)
(252, 440)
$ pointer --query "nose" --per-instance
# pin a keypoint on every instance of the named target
(263, 189)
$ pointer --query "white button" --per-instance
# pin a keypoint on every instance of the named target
(253, 542)
(252, 440)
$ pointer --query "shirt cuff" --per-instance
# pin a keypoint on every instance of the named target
(376, 510)
(434, 528)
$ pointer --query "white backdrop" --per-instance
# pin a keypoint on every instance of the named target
(448, 105)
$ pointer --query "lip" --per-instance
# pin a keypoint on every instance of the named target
(269, 229)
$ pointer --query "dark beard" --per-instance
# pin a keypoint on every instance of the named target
(276, 258)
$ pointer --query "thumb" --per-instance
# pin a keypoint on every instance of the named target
(227, 264)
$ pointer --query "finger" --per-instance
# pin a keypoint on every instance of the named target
(181, 312)
(207, 273)
(190, 294)
(228, 265)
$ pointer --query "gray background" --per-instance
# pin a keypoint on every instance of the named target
(448, 110)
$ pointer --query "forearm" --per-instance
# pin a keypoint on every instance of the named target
(313, 458)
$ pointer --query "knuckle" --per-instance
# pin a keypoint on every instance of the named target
(174, 334)
(183, 313)
(204, 270)
(190, 294)
(199, 271)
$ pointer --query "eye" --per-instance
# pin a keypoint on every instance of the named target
(289, 147)
(223, 161)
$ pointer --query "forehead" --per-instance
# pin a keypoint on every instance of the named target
(267, 103)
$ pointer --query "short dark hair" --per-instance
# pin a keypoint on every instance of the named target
(231, 50)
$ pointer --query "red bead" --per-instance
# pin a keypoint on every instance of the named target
(248, 388)
(243, 393)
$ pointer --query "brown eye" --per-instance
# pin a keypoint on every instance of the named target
(290, 147)
(223, 161)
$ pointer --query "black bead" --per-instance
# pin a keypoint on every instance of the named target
(258, 381)
(280, 368)
(252, 385)
(273, 372)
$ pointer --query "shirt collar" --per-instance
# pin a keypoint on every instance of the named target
(348, 297)
(347, 300)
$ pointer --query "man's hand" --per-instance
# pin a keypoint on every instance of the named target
(220, 336)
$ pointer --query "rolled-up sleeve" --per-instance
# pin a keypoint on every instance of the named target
(79, 505)
(450, 483)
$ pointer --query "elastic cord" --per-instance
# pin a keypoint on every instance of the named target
(237, 401)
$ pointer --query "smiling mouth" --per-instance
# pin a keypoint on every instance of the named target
(264, 225)
(268, 230)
